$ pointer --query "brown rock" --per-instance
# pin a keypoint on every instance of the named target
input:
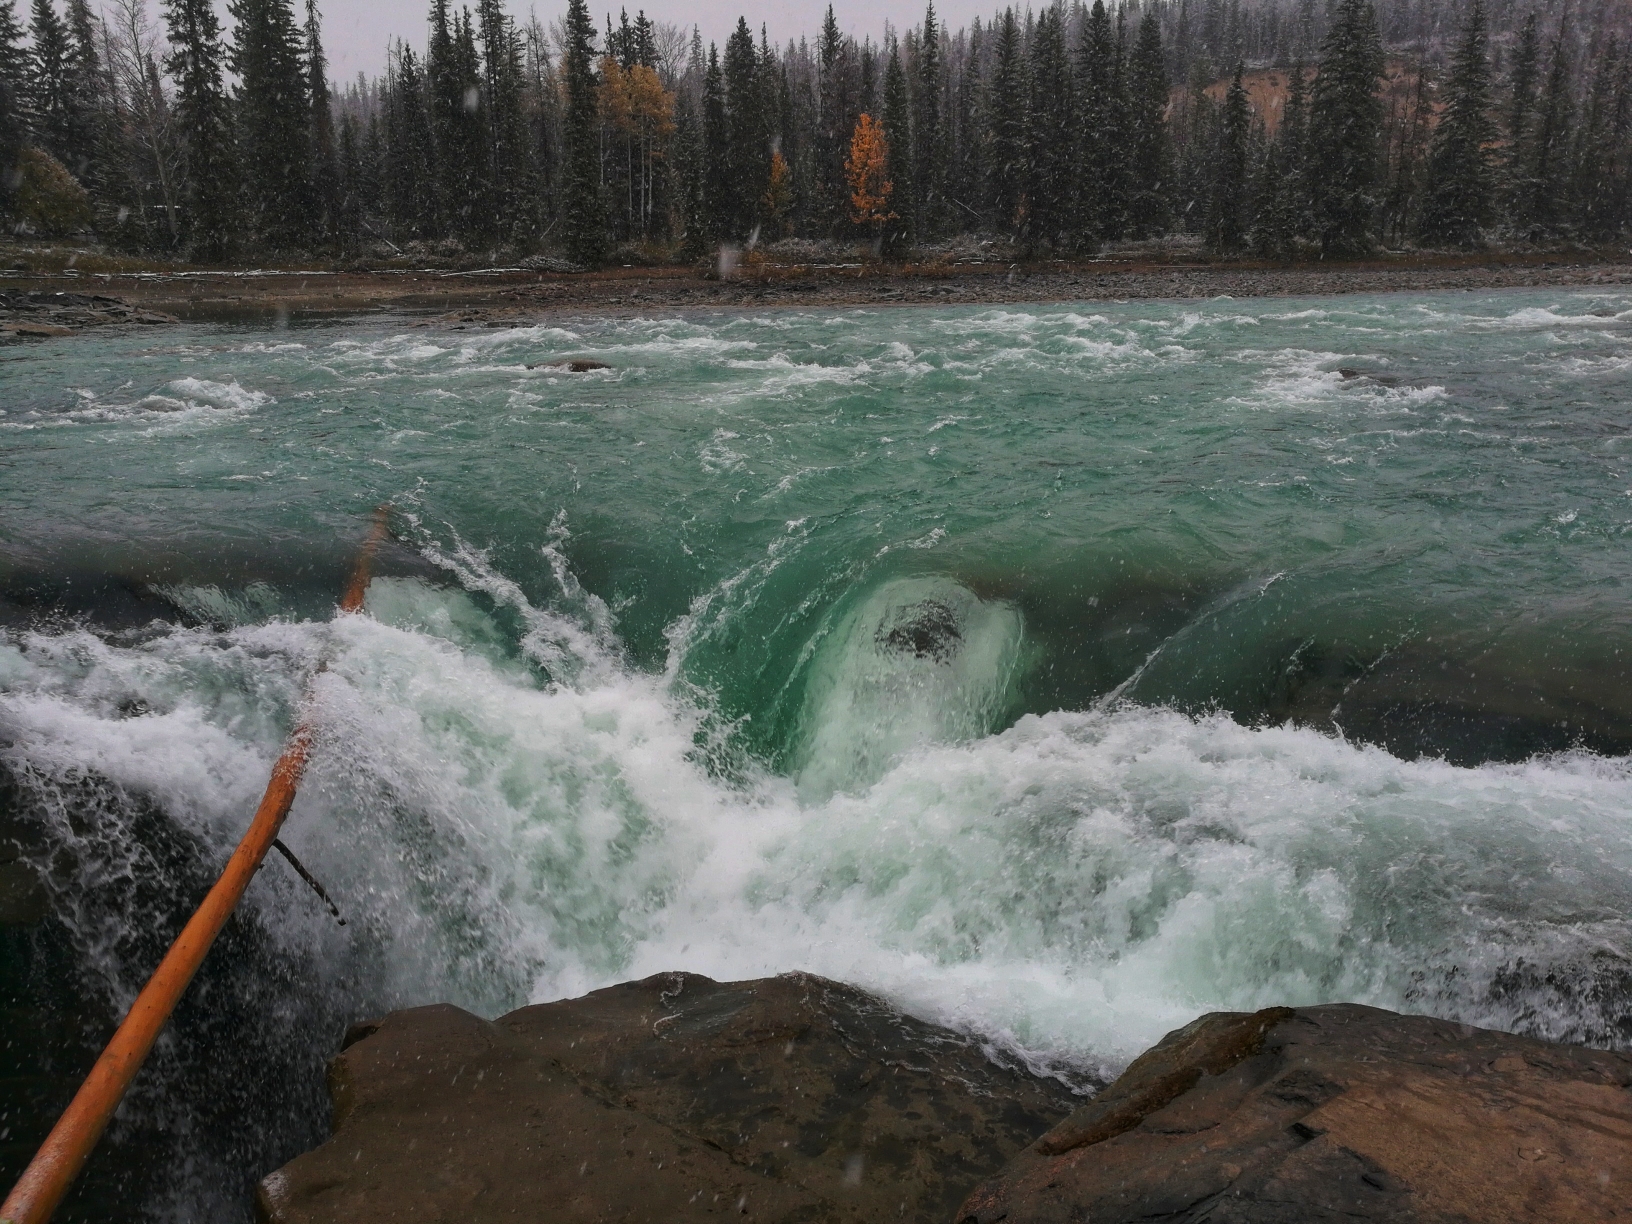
(669, 1100)
(576, 366)
(38, 331)
(1337, 1113)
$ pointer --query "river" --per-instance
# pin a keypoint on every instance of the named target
(1059, 673)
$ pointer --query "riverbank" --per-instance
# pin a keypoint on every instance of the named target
(499, 295)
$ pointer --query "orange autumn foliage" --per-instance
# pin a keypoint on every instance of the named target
(865, 170)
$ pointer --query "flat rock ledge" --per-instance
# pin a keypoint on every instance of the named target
(800, 1100)
(35, 315)
(1337, 1113)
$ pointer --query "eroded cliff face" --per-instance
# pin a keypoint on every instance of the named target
(1335, 1113)
(798, 1099)
(671, 1099)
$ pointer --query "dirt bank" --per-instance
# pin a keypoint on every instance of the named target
(499, 295)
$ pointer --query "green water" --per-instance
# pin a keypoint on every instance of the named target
(1058, 672)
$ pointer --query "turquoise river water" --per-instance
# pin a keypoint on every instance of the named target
(1059, 673)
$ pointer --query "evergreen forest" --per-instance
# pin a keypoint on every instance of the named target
(1277, 129)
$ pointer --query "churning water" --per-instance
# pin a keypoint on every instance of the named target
(1058, 673)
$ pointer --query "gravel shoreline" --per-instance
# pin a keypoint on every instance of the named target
(500, 296)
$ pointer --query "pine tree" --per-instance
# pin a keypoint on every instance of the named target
(834, 124)
(1520, 118)
(325, 167)
(582, 219)
(87, 129)
(349, 190)
(1147, 132)
(719, 187)
(748, 150)
(274, 116)
(929, 150)
(507, 169)
(1545, 205)
(1049, 134)
(1345, 119)
(690, 173)
(1598, 155)
(454, 102)
(49, 100)
(1460, 184)
(13, 114)
(1293, 143)
(965, 187)
(898, 138)
(411, 196)
(1227, 210)
(1102, 144)
(195, 64)
(1006, 162)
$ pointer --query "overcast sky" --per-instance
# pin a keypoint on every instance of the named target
(356, 32)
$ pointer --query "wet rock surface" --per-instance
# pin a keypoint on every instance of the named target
(1337, 1113)
(671, 1099)
(39, 315)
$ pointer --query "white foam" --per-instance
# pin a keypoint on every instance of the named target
(1078, 883)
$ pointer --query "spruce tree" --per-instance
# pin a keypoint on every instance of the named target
(1006, 163)
(410, 188)
(690, 173)
(582, 219)
(965, 181)
(834, 122)
(748, 151)
(1147, 132)
(349, 191)
(195, 64)
(48, 88)
(1227, 210)
(88, 131)
(1460, 184)
(719, 188)
(929, 149)
(1102, 138)
(1544, 208)
(1293, 145)
(1345, 121)
(507, 169)
(1521, 105)
(453, 99)
(325, 167)
(1049, 133)
(274, 121)
(1600, 187)
(13, 114)
(898, 139)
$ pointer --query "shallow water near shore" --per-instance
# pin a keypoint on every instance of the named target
(1059, 673)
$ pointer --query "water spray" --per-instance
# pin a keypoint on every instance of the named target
(58, 1162)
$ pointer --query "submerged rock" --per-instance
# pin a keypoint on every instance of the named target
(672, 1099)
(927, 630)
(1337, 1113)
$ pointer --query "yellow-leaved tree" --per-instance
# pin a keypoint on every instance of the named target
(866, 170)
(637, 117)
(778, 197)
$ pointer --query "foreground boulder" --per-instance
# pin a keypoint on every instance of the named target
(1338, 1113)
(668, 1100)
